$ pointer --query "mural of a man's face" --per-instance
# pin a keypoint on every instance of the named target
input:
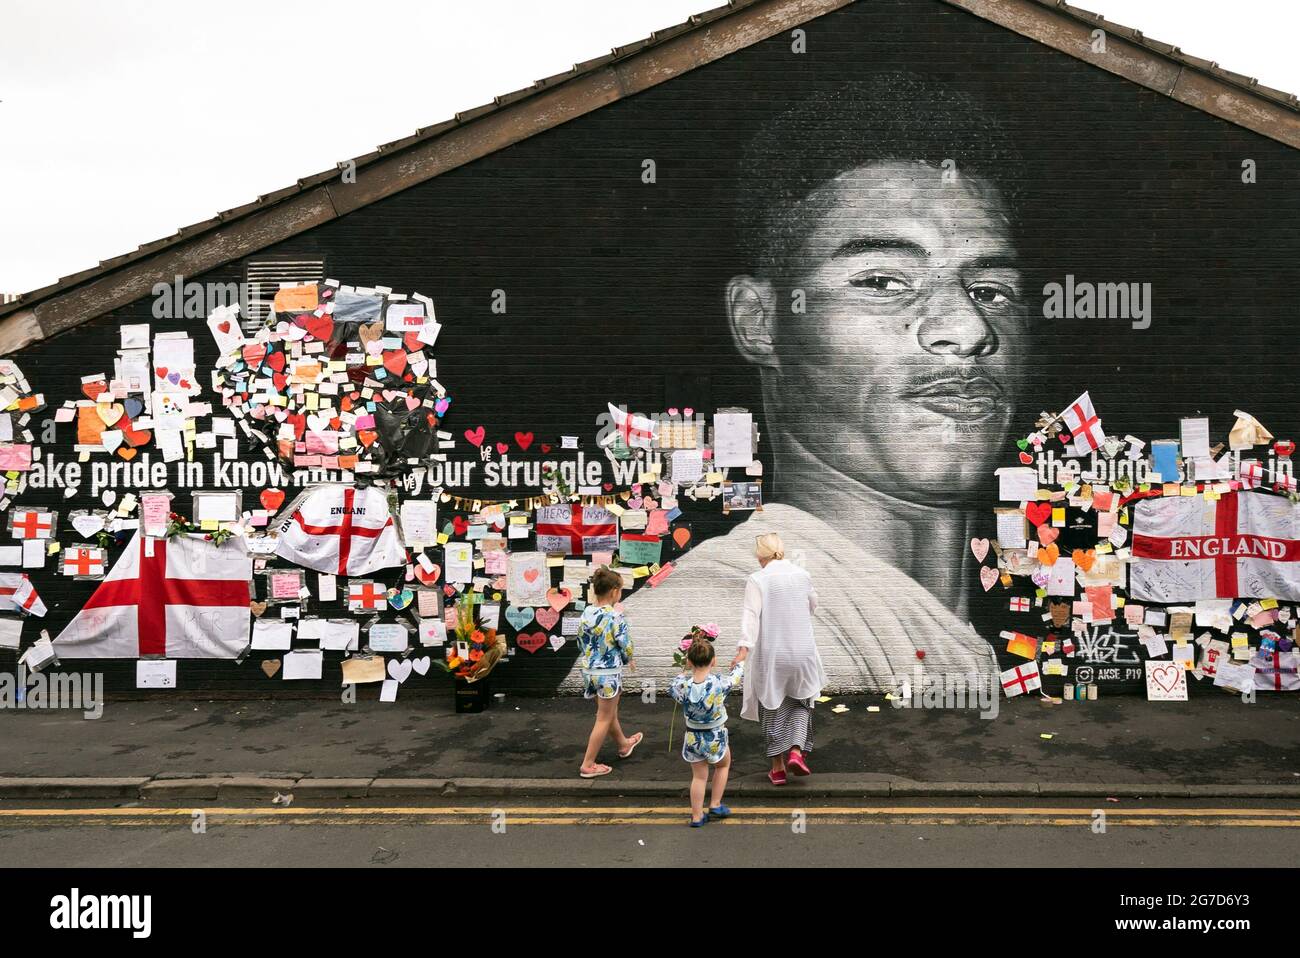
(903, 368)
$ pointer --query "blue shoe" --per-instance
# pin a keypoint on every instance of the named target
(719, 811)
(702, 822)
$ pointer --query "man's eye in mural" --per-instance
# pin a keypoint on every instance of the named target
(879, 284)
(993, 295)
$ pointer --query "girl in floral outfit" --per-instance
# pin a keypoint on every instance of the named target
(604, 647)
(703, 697)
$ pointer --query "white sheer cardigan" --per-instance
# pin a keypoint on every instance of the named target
(777, 627)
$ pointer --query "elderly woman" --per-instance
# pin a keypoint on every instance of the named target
(786, 676)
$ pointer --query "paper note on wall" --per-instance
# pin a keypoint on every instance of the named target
(1017, 484)
(733, 440)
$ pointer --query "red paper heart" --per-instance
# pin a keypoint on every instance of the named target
(475, 436)
(276, 361)
(1026, 458)
(395, 361)
(412, 342)
(460, 525)
(428, 577)
(133, 436)
(607, 486)
(272, 499)
(92, 390)
(523, 439)
(322, 327)
(546, 447)
(558, 598)
(530, 642)
(1064, 437)
(1038, 512)
(224, 326)
(254, 353)
(503, 448)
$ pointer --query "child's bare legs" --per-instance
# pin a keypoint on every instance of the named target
(699, 779)
(720, 773)
(616, 730)
(606, 718)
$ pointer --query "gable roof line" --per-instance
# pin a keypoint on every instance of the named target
(587, 86)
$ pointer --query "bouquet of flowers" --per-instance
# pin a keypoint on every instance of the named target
(485, 646)
(177, 525)
(709, 631)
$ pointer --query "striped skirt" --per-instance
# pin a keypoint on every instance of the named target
(787, 726)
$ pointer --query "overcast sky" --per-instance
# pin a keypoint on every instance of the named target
(122, 121)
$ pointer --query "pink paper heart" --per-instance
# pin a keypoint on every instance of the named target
(547, 618)
(988, 577)
(672, 410)
(558, 598)
(980, 548)
(688, 412)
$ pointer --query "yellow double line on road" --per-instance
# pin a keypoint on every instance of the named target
(647, 815)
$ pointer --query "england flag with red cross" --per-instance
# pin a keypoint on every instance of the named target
(33, 524)
(183, 598)
(17, 589)
(636, 431)
(1021, 679)
(1084, 425)
(341, 530)
(1242, 545)
(576, 530)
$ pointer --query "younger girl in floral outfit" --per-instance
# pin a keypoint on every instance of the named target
(703, 696)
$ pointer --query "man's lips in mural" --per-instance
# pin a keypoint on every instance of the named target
(959, 397)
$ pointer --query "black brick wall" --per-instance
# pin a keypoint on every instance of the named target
(615, 287)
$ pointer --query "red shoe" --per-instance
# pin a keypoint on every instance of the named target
(797, 764)
(776, 778)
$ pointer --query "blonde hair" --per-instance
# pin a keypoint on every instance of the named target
(770, 546)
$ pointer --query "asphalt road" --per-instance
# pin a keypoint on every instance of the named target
(567, 833)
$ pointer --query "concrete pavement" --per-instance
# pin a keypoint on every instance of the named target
(231, 750)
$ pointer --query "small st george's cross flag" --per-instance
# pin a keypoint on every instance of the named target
(83, 561)
(636, 431)
(1021, 679)
(33, 524)
(365, 595)
(17, 589)
(1084, 425)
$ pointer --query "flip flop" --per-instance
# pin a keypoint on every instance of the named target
(599, 771)
(635, 740)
